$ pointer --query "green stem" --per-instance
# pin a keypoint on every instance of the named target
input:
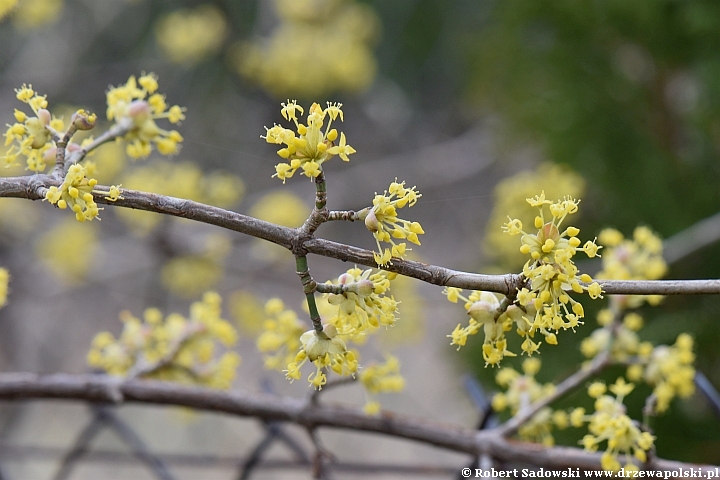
(319, 214)
(320, 191)
(309, 287)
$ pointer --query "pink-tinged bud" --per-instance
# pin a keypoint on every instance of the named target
(139, 110)
(345, 278)
(44, 116)
(49, 155)
(83, 120)
(364, 287)
(371, 221)
(73, 147)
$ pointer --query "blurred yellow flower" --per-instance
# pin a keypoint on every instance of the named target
(69, 249)
(318, 47)
(189, 35)
(35, 13)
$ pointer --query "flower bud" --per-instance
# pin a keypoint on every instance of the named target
(371, 221)
(482, 311)
(44, 116)
(139, 110)
(364, 287)
(82, 120)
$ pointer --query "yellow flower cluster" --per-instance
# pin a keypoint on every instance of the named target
(318, 47)
(521, 390)
(172, 348)
(75, 192)
(551, 270)
(136, 106)
(4, 281)
(623, 341)
(637, 259)
(32, 136)
(358, 310)
(610, 423)
(187, 36)
(669, 370)
(485, 314)
(326, 350)
(510, 195)
(363, 306)
(280, 338)
(312, 146)
(381, 378)
(385, 226)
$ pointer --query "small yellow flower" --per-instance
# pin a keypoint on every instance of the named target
(76, 193)
(313, 145)
(382, 220)
(136, 106)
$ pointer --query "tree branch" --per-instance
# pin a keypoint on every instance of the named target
(33, 188)
(105, 389)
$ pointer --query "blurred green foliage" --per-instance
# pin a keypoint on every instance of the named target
(628, 94)
(625, 92)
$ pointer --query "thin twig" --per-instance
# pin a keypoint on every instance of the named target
(82, 443)
(564, 387)
(707, 388)
(699, 235)
(104, 417)
(323, 456)
(139, 449)
(116, 131)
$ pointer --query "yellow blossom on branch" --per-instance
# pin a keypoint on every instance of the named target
(280, 338)
(381, 219)
(326, 350)
(639, 258)
(483, 309)
(544, 306)
(33, 136)
(520, 391)
(610, 423)
(669, 370)
(171, 347)
(551, 272)
(313, 145)
(381, 378)
(363, 306)
(135, 106)
(510, 195)
(75, 192)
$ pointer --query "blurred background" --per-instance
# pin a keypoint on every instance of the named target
(480, 104)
